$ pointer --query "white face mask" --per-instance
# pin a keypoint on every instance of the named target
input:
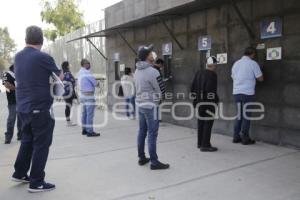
(154, 55)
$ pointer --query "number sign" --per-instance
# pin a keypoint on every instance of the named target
(271, 28)
(204, 43)
(167, 49)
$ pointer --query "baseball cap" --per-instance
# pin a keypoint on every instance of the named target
(144, 51)
(212, 60)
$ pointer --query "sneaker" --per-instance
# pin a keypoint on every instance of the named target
(7, 141)
(42, 188)
(93, 134)
(208, 149)
(70, 124)
(24, 179)
(159, 166)
(248, 141)
(144, 161)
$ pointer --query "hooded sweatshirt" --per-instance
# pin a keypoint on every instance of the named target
(148, 91)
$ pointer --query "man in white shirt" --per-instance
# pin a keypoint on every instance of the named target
(245, 73)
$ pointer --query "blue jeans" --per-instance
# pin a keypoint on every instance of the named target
(130, 106)
(148, 122)
(88, 112)
(242, 125)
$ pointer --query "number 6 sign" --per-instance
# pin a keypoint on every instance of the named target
(271, 28)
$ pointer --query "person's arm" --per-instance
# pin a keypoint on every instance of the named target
(211, 88)
(49, 64)
(92, 80)
(154, 81)
(258, 73)
(260, 79)
(194, 88)
(161, 84)
(9, 86)
(8, 81)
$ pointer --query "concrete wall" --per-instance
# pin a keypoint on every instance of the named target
(129, 10)
(280, 93)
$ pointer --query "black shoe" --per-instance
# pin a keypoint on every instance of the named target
(42, 188)
(144, 161)
(84, 132)
(159, 166)
(208, 149)
(24, 179)
(248, 141)
(7, 141)
(93, 134)
(236, 140)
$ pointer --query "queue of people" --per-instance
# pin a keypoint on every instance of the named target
(31, 99)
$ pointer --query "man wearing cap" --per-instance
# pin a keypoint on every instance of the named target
(33, 69)
(9, 83)
(245, 73)
(204, 89)
(148, 96)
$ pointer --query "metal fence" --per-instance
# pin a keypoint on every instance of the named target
(74, 51)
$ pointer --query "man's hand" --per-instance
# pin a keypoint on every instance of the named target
(9, 86)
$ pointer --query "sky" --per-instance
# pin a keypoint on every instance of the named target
(18, 14)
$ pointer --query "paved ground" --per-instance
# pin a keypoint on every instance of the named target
(106, 167)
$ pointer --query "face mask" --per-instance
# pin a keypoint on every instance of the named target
(154, 55)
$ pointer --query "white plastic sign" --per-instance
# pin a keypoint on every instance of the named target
(167, 49)
(222, 58)
(274, 53)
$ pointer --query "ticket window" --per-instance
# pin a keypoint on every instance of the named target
(203, 57)
(167, 70)
(261, 55)
(117, 70)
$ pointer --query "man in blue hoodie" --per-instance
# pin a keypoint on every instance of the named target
(148, 96)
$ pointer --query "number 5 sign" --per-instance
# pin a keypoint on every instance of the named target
(271, 28)
(204, 43)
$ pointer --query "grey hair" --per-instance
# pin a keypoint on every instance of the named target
(34, 35)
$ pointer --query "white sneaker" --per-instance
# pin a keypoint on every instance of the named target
(70, 124)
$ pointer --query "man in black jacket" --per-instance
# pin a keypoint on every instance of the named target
(204, 89)
(9, 83)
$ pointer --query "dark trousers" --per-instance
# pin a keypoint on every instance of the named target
(69, 104)
(130, 106)
(242, 124)
(205, 125)
(11, 120)
(37, 132)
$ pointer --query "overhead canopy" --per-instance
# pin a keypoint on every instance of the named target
(156, 18)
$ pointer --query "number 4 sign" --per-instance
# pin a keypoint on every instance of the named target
(271, 28)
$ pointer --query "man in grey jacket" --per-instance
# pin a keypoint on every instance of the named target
(148, 96)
